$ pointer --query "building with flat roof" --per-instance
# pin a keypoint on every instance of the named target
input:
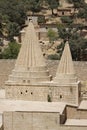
(33, 100)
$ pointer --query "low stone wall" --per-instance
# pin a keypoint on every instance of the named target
(80, 68)
(6, 67)
(35, 121)
(31, 121)
(74, 113)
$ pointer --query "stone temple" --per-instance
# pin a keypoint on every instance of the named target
(35, 101)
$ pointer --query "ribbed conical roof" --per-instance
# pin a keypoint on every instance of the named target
(30, 54)
(30, 64)
(65, 72)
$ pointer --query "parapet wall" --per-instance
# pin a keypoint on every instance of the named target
(6, 67)
(30, 121)
(74, 113)
(35, 121)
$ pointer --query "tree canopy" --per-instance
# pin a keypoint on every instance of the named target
(12, 14)
(78, 44)
(53, 4)
(10, 52)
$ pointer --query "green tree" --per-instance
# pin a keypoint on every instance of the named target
(41, 20)
(35, 5)
(53, 4)
(78, 44)
(67, 20)
(77, 3)
(83, 12)
(13, 30)
(12, 14)
(52, 35)
(64, 32)
(11, 52)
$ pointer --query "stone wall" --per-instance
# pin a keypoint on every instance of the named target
(35, 121)
(80, 68)
(74, 113)
(31, 93)
(41, 92)
(30, 121)
(67, 94)
(64, 12)
(6, 67)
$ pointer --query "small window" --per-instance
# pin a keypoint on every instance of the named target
(21, 93)
(62, 13)
(44, 54)
(71, 90)
(26, 91)
(30, 19)
(24, 81)
(60, 96)
(46, 27)
(31, 93)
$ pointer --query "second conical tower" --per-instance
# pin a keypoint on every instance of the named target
(65, 72)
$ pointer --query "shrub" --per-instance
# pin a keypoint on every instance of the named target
(11, 52)
(52, 35)
(41, 19)
(53, 57)
(66, 19)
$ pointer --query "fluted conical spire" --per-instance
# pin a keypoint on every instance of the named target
(65, 72)
(30, 54)
(30, 64)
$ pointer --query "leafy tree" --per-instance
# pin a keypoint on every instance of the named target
(11, 52)
(14, 10)
(78, 47)
(12, 14)
(35, 5)
(77, 3)
(41, 20)
(52, 35)
(53, 4)
(64, 32)
(53, 57)
(78, 44)
(67, 20)
(83, 12)
(13, 30)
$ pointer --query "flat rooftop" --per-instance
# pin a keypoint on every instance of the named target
(76, 122)
(31, 106)
(83, 105)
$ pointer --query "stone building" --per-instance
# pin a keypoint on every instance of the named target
(33, 100)
(65, 9)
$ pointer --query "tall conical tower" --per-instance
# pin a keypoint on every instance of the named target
(30, 65)
(30, 68)
(66, 84)
(65, 73)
